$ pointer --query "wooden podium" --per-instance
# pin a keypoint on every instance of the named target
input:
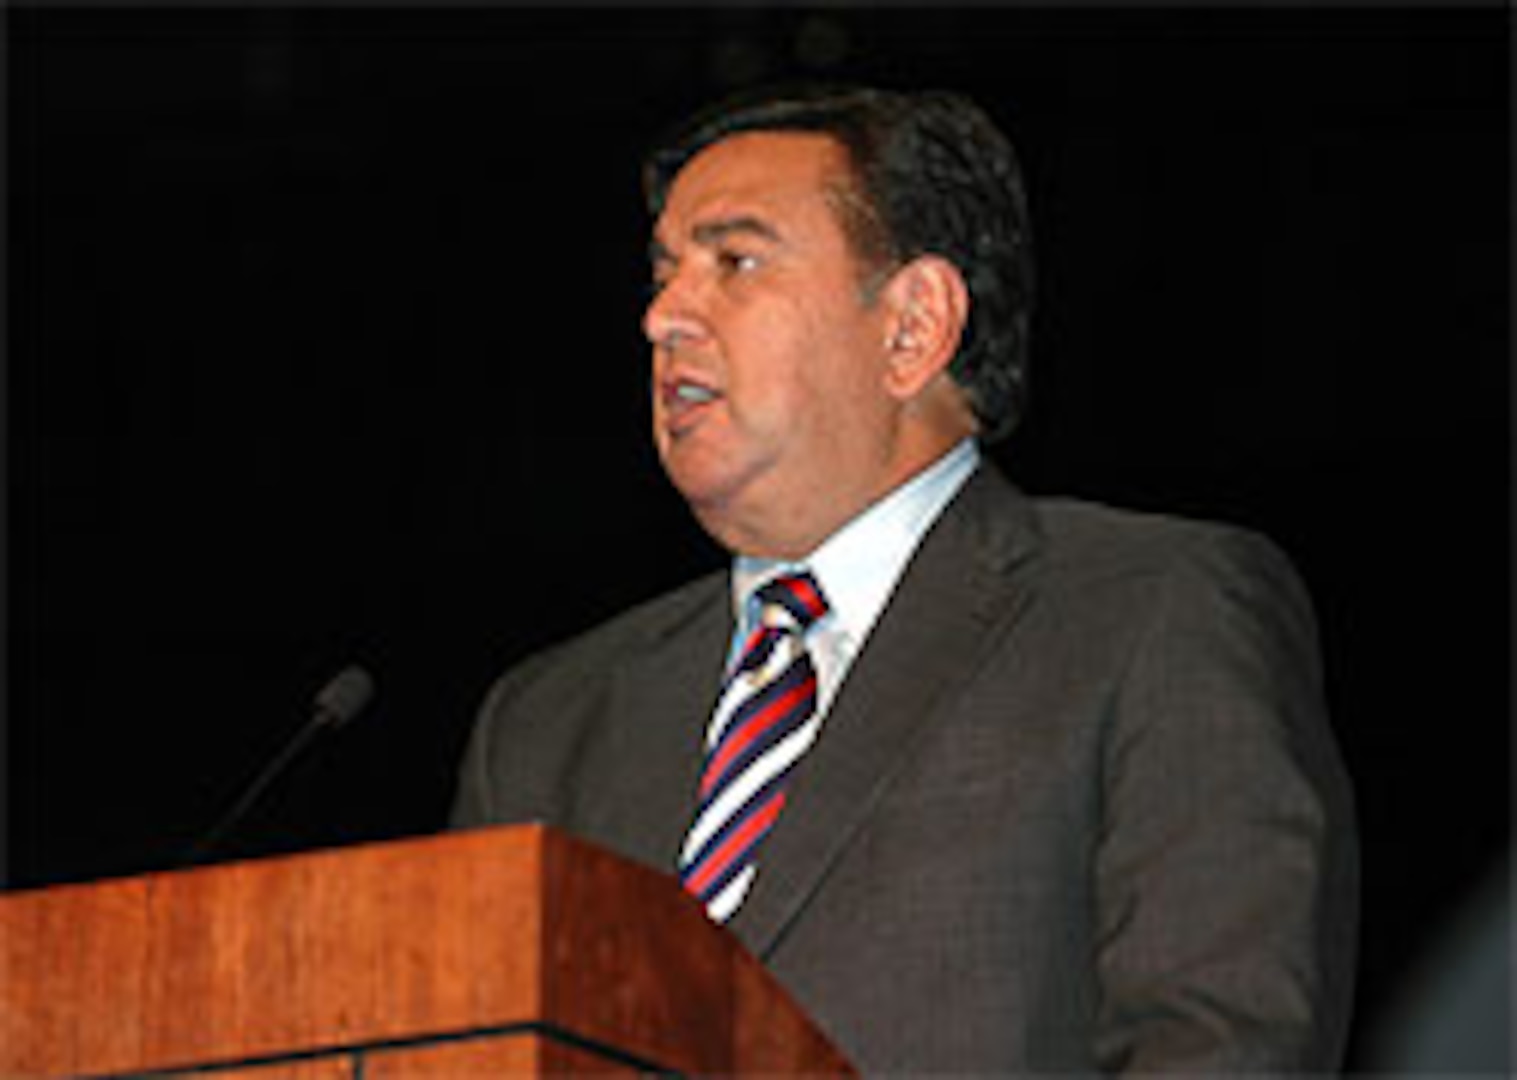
(497, 951)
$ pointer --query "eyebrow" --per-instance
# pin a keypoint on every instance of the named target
(710, 233)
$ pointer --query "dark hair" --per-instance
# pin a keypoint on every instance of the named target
(932, 175)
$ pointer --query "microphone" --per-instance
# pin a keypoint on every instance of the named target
(338, 703)
(343, 698)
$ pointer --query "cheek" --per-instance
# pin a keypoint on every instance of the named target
(769, 367)
(846, 368)
(800, 366)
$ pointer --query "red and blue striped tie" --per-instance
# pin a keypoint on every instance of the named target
(765, 720)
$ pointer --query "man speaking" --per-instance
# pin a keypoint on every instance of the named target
(991, 783)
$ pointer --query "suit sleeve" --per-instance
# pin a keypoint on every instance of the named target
(1226, 868)
(472, 797)
(496, 781)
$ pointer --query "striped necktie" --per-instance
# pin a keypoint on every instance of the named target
(765, 719)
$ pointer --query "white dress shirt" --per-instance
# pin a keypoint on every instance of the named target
(857, 567)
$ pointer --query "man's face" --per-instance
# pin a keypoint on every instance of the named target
(769, 407)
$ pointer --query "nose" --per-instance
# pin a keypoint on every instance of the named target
(672, 316)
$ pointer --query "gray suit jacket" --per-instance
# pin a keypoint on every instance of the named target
(1076, 807)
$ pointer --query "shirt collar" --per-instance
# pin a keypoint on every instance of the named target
(858, 565)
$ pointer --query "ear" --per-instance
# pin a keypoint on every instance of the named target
(927, 304)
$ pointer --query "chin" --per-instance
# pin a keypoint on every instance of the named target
(706, 494)
(703, 493)
(699, 473)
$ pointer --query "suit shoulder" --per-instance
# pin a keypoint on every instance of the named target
(1090, 538)
(529, 731)
(585, 653)
(1145, 563)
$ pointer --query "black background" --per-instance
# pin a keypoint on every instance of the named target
(325, 348)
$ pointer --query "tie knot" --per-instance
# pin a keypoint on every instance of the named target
(794, 599)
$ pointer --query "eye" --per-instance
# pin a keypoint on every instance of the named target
(736, 262)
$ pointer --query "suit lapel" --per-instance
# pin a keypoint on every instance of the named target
(638, 792)
(960, 584)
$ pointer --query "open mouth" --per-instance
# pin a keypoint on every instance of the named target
(683, 400)
(687, 393)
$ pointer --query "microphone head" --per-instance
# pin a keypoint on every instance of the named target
(347, 695)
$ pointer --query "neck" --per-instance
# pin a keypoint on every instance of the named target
(798, 528)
